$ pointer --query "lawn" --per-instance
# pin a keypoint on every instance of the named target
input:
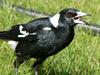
(81, 57)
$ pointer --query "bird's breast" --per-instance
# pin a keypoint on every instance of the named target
(50, 39)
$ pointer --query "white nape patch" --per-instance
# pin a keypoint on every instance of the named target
(47, 28)
(13, 44)
(24, 33)
(55, 20)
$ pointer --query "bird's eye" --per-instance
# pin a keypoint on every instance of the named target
(71, 14)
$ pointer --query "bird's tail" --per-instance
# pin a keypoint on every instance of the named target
(5, 35)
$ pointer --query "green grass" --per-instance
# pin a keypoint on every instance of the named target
(82, 57)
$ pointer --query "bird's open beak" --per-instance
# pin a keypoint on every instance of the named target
(78, 18)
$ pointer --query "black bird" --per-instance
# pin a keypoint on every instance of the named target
(43, 37)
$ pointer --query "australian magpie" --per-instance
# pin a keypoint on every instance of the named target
(43, 37)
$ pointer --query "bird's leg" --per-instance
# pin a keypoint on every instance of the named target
(16, 69)
(16, 65)
(17, 62)
(36, 68)
(37, 64)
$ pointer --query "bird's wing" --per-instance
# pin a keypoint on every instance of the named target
(30, 30)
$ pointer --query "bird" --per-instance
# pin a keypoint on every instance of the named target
(42, 37)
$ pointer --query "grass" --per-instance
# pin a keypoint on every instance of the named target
(81, 57)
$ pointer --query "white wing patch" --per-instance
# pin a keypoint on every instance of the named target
(46, 28)
(24, 33)
(13, 44)
(55, 20)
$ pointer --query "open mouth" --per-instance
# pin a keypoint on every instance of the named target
(78, 18)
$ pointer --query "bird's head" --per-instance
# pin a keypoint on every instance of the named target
(73, 15)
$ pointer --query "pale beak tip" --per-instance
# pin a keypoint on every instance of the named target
(80, 14)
